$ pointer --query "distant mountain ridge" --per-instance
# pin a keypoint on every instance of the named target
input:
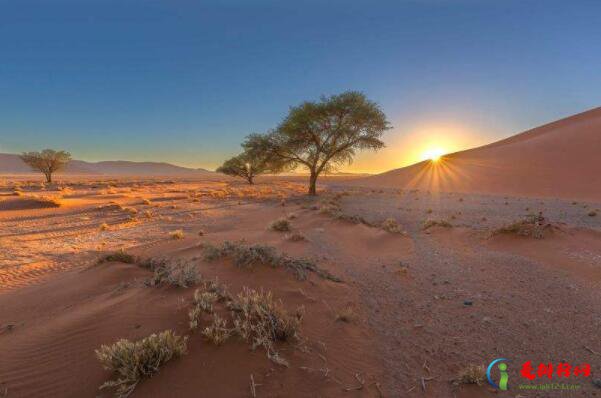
(12, 164)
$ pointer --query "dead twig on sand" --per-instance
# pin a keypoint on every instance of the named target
(375, 383)
(359, 387)
(591, 350)
(253, 386)
(424, 380)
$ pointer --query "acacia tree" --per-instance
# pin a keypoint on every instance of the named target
(255, 160)
(47, 161)
(324, 134)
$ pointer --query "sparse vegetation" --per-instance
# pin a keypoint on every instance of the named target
(131, 362)
(104, 226)
(295, 237)
(392, 226)
(471, 374)
(280, 225)
(531, 225)
(262, 321)
(247, 256)
(436, 223)
(179, 273)
(120, 256)
(346, 314)
(218, 332)
(177, 234)
(592, 213)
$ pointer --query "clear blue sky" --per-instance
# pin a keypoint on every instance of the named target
(185, 81)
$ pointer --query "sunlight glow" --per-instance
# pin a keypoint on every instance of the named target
(433, 154)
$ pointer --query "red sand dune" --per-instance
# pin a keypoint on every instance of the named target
(559, 159)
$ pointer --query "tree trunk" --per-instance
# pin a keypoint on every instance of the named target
(250, 181)
(313, 183)
(48, 178)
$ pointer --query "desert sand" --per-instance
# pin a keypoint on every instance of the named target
(559, 159)
(417, 278)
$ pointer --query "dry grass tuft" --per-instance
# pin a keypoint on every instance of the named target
(179, 273)
(280, 225)
(131, 362)
(262, 321)
(218, 332)
(436, 223)
(471, 374)
(130, 210)
(104, 226)
(177, 234)
(346, 314)
(120, 256)
(248, 256)
(531, 225)
(295, 236)
(392, 226)
(110, 206)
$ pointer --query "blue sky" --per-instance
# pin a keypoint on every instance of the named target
(185, 81)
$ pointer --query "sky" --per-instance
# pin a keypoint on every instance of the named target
(185, 81)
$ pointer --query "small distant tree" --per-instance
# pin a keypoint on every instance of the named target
(241, 166)
(322, 135)
(47, 161)
(252, 162)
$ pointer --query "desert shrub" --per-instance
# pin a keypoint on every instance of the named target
(436, 223)
(355, 219)
(592, 213)
(146, 202)
(280, 225)
(211, 252)
(179, 273)
(104, 226)
(46, 201)
(218, 332)
(247, 256)
(223, 295)
(330, 209)
(120, 256)
(130, 210)
(531, 225)
(177, 234)
(295, 237)
(391, 225)
(204, 300)
(346, 314)
(471, 374)
(131, 362)
(194, 315)
(110, 206)
(262, 321)
(243, 255)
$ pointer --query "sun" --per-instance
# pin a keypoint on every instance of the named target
(433, 154)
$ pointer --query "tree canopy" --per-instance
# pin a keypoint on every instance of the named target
(324, 134)
(47, 161)
(253, 161)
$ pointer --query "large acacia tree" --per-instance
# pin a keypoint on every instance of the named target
(324, 134)
(47, 161)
